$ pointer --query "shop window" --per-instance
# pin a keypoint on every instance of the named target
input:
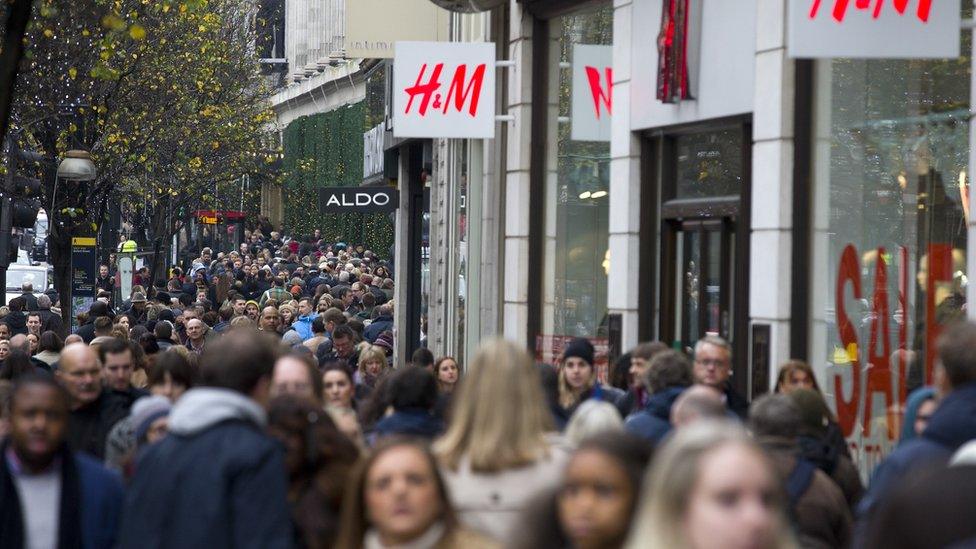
(708, 164)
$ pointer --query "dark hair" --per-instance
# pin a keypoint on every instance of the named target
(163, 330)
(16, 365)
(17, 304)
(343, 332)
(957, 351)
(239, 360)
(113, 346)
(355, 519)
(137, 332)
(318, 325)
(227, 312)
(787, 368)
(176, 365)
(334, 316)
(422, 357)
(34, 313)
(620, 372)
(149, 344)
(668, 369)
(37, 378)
(336, 366)
(103, 323)
(50, 341)
(328, 458)
(774, 415)
(413, 387)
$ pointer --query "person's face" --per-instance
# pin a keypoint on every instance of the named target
(124, 321)
(252, 312)
(82, 377)
(322, 307)
(34, 324)
(712, 366)
(347, 298)
(374, 368)
(38, 422)
(200, 296)
(239, 305)
(269, 319)
(286, 317)
(924, 414)
(731, 504)
(4, 331)
(4, 349)
(291, 377)
(205, 256)
(157, 430)
(578, 373)
(342, 346)
(798, 379)
(118, 370)
(170, 389)
(447, 372)
(33, 342)
(238, 264)
(596, 500)
(103, 271)
(194, 329)
(338, 389)
(637, 368)
(401, 496)
(304, 308)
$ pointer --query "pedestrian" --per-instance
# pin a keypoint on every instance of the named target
(578, 381)
(919, 407)
(319, 335)
(797, 375)
(496, 454)
(318, 460)
(423, 358)
(338, 393)
(667, 376)
(94, 410)
(380, 324)
(596, 501)
(51, 496)
(413, 395)
(697, 403)
(637, 394)
(49, 347)
(217, 475)
(397, 498)
(447, 371)
(118, 365)
(713, 368)
(592, 417)
(296, 374)
(372, 368)
(816, 505)
(710, 486)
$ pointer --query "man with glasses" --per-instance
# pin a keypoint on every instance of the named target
(713, 368)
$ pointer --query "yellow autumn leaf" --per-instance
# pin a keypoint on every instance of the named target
(48, 33)
(137, 32)
(73, 73)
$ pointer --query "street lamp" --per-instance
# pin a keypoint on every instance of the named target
(77, 166)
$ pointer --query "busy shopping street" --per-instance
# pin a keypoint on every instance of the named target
(478, 274)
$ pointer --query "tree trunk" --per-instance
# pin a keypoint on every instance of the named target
(59, 248)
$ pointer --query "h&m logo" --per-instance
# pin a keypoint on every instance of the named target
(461, 90)
(600, 93)
(841, 6)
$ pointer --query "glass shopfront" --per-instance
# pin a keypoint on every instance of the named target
(577, 257)
(891, 147)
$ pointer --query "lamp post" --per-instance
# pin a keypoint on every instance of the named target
(78, 167)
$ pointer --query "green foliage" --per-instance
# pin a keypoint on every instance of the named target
(326, 150)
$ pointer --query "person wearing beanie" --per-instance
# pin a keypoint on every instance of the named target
(144, 425)
(577, 381)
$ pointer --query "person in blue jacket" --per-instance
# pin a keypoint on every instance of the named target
(49, 495)
(668, 375)
(218, 479)
(413, 395)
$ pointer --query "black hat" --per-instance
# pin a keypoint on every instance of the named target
(97, 309)
(579, 348)
(166, 314)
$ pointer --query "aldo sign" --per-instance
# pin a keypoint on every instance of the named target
(443, 89)
(334, 200)
(896, 29)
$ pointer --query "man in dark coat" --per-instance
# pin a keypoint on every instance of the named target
(97, 309)
(16, 319)
(94, 410)
(49, 495)
(27, 293)
(668, 375)
(49, 320)
(217, 480)
(380, 324)
(118, 363)
(713, 367)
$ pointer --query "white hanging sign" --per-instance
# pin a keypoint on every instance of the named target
(895, 29)
(444, 90)
(592, 103)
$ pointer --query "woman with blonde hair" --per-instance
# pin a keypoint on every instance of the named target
(711, 487)
(496, 455)
(373, 366)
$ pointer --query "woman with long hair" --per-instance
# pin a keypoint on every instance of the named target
(578, 381)
(496, 455)
(318, 458)
(447, 373)
(397, 498)
(373, 367)
(49, 347)
(338, 391)
(711, 487)
(796, 375)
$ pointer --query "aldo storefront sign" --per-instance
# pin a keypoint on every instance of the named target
(895, 29)
(335, 200)
(443, 89)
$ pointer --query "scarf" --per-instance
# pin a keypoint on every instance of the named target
(428, 540)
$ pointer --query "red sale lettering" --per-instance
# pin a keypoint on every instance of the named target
(847, 408)
(426, 90)
(601, 94)
(839, 11)
(939, 272)
(879, 368)
(460, 92)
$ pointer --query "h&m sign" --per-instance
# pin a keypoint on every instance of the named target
(592, 103)
(358, 200)
(444, 90)
(897, 29)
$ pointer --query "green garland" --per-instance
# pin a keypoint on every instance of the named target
(326, 150)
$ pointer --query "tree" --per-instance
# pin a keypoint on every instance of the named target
(166, 95)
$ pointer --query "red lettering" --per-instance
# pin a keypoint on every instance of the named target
(939, 270)
(596, 88)
(839, 11)
(879, 369)
(460, 92)
(903, 327)
(847, 408)
(425, 90)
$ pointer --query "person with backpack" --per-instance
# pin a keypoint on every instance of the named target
(816, 505)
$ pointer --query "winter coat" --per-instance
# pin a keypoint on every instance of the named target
(90, 506)
(50, 321)
(304, 326)
(17, 321)
(654, 421)
(379, 325)
(601, 392)
(88, 426)
(736, 403)
(829, 459)
(411, 422)
(216, 481)
(30, 301)
(952, 424)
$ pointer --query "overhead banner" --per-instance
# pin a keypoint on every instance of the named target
(335, 200)
(900, 29)
(592, 103)
(444, 90)
(374, 26)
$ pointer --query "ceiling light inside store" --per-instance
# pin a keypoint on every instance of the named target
(902, 181)
(584, 195)
(598, 194)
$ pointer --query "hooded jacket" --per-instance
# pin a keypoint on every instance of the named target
(654, 421)
(217, 476)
